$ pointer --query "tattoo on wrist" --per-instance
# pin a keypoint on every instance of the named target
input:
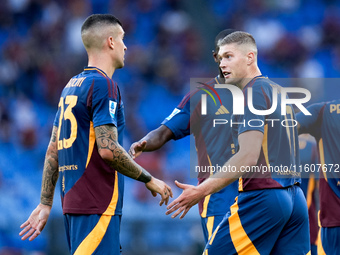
(144, 177)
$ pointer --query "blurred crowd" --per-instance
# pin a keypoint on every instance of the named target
(168, 42)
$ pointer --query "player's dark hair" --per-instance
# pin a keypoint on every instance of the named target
(99, 19)
(221, 35)
(238, 37)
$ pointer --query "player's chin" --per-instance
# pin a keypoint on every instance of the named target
(121, 65)
(228, 80)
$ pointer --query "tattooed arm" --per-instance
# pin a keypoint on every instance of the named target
(116, 157)
(38, 218)
(50, 173)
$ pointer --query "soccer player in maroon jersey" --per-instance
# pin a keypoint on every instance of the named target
(86, 150)
(270, 213)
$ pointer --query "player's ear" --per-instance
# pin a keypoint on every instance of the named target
(111, 42)
(214, 53)
(250, 58)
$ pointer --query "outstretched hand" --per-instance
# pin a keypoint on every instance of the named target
(160, 187)
(190, 196)
(137, 148)
(35, 223)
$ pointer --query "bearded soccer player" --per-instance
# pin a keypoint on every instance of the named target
(270, 213)
(213, 148)
(86, 149)
(324, 125)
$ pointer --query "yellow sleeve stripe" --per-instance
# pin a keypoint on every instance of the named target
(92, 139)
(322, 156)
(265, 145)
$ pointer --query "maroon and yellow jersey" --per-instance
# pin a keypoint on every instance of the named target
(88, 184)
(279, 154)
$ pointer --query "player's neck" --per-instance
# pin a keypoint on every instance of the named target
(103, 63)
(251, 75)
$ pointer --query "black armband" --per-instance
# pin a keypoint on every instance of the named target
(144, 177)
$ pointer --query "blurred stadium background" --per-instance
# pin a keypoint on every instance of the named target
(168, 41)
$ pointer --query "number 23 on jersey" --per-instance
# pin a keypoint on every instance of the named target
(67, 114)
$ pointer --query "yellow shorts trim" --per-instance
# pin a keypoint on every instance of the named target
(210, 225)
(239, 237)
(93, 239)
(320, 247)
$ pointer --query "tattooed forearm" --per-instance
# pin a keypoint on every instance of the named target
(50, 173)
(115, 155)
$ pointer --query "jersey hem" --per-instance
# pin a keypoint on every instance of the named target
(82, 211)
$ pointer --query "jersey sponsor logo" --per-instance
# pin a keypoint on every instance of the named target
(68, 167)
(174, 112)
(335, 108)
(112, 108)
